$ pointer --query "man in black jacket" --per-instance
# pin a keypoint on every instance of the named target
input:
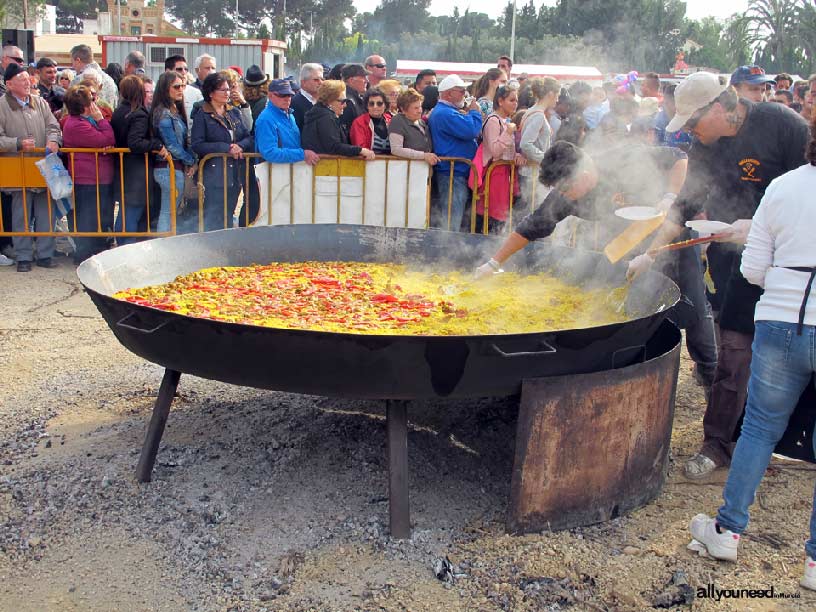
(47, 84)
(739, 148)
(311, 76)
(354, 76)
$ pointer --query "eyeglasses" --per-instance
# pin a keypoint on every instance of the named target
(696, 117)
(182, 69)
(376, 103)
(378, 65)
(282, 95)
(19, 60)
(343, 101)
(178, 86)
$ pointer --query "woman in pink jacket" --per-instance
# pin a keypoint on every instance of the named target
(498, 144)
(92, 172)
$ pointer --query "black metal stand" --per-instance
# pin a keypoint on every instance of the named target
(161, 409)
(399, 512)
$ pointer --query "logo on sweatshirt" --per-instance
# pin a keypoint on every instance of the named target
(749, 170)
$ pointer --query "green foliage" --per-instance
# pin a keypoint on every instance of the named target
(11, 12)
(613, 35)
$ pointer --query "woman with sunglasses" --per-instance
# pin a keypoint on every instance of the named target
(218, 128)
(322, 132)
(92, 173)
(169, 121)
(371, 128)
(65, 77)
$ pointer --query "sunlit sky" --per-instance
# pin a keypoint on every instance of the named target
(695, 9)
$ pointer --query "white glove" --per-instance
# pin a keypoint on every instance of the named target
(489, 268)
(638, 266)
(738, 232)
(666, 202)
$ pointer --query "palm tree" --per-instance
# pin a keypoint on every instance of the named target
(738, 40)
(774, 30)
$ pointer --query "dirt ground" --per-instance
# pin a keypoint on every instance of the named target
(270, 501)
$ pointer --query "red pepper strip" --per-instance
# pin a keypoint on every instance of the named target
(384, 297)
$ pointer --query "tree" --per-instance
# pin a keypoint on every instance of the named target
(398, 16)
(737, 39)
(14, 12)
(774, 26)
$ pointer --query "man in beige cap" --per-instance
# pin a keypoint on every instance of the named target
(739, 148)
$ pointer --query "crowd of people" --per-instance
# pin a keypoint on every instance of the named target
(738, 152)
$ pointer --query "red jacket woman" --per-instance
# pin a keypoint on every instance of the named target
(370, 130)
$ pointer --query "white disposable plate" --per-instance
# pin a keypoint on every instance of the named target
(638, 213)
(706, 227)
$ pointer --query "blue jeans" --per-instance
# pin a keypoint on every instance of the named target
(459, 200)
(133, 217)
(162, 176)
(781, 368)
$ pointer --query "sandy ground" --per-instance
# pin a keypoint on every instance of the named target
(270, 501)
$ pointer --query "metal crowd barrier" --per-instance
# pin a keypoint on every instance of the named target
(228, 215)
(17, 171)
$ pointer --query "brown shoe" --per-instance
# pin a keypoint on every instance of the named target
(24, 266)
(47, 263)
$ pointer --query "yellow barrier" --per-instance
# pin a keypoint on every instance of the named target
(17, 171)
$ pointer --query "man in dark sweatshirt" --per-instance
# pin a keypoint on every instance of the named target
(739, 148)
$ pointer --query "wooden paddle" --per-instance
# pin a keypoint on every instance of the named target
(674, 246)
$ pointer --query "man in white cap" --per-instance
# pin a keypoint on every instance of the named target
(739, 148)
(454, 130)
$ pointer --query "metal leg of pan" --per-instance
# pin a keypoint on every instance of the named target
(399, 512)
(161, 409)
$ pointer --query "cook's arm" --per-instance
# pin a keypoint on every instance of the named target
(515, 242)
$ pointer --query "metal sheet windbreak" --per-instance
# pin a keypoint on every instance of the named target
(243, 55)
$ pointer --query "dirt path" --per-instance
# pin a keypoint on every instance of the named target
(270, 501)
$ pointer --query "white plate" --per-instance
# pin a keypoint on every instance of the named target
(638, 213)
(704, 227)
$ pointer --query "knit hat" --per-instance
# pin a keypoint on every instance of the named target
(12, 70)
(255, 76)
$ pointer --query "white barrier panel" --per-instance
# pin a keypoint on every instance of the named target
(392, 192)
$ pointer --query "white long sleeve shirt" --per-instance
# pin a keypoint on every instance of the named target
(783, 234)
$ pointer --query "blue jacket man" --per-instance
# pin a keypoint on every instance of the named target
(276, 134)
(454, 135)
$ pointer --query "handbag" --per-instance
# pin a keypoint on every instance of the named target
(191, 187)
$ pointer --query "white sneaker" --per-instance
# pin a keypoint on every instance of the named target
(6, 261)
(718, 545)
(809, 578)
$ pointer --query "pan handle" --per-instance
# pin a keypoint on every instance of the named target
(546, 349)
(141, 330)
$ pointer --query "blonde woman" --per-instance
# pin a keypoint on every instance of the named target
(536, 137)
(65, 78)
(322, 132)
(392, 89)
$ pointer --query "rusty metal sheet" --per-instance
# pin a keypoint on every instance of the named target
(591, 447)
